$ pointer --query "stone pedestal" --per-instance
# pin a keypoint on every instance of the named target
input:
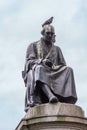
(58, 116)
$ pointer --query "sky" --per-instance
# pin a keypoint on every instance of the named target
(20, 25)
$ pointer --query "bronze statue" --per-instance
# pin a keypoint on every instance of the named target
(46, 76)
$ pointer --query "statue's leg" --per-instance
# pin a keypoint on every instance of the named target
(32, 100)
(49, 94)
(30, 88)
(32, 103)
(34, 97)
(27, 99)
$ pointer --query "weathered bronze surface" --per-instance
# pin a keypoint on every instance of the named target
(47, 77)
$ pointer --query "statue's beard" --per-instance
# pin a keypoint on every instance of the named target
(49, 39)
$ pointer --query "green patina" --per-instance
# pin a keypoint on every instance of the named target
(60, 118)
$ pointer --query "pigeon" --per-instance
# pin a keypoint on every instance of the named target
(49, 21)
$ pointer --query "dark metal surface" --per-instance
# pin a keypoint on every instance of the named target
(46, 76)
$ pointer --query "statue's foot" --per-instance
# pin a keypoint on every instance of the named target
(26, 109)
(32, 104)
(53, 99)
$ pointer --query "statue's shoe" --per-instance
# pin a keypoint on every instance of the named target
(26, 109)
(32, 104)
(53, 99)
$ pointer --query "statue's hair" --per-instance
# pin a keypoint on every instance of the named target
(47, 26)
(42, 32)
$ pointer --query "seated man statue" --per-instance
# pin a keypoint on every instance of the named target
(46, 76)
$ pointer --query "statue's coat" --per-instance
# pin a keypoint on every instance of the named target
(59, 77)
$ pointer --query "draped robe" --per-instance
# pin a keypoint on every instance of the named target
(59, 77)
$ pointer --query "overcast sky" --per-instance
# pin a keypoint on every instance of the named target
(20, 24)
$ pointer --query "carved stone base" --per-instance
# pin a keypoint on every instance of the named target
(58, 116)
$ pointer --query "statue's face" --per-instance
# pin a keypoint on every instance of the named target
(49, 33)
(48, 36)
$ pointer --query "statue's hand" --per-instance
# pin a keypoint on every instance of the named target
(48, 62)
(39, 61)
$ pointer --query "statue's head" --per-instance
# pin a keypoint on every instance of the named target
(48, 33)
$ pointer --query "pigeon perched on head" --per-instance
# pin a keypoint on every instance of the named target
(49, 21)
